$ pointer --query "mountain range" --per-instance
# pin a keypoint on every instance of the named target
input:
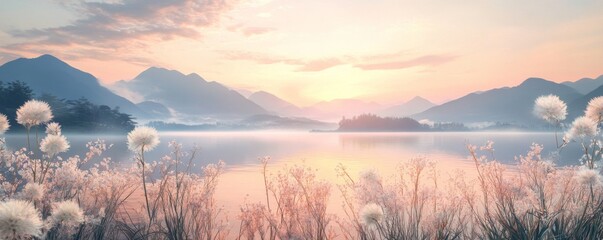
(47, 74)
(188, 94)
(161, 94)
(508, 104)
(413, 106)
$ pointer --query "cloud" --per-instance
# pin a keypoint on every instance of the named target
(250, 31)
(427, 60)
(109, 26)
(303, 65)
(319, 65)
(387, 61)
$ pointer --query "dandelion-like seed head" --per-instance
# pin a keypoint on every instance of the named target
(33, 191)
(589, 177)
(550, 108)
(582, 127)
(4, 125)
(54, 144)
(143, 138)
(34, 113)
(67, 213)
(19, 220)
(594, 110)
(371, 214)
(53, 128)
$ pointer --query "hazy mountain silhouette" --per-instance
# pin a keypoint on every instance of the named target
(576, 108)
(188, 94)
(274, 104)
(509, 104)
(413, 106)
(48, 74)
(585, 85)
(155, 108)
(334, 110)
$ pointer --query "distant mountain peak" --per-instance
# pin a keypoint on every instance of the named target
(535, 82)
(49, 57)
(158, 70)
(418, 99)
(45, 59)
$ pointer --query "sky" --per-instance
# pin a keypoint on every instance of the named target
(318, 50)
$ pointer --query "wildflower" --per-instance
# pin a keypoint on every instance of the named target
(67, 213)
(582, 127)
(4, 125)
(550, 108)
(589, 177)
(53, 128)
(34, 113)
(54, 144)
(19, 220)
(371, 214)
(33, 191)
(143, 139)
(594, 110)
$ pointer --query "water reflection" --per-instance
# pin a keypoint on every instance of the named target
(240, 149)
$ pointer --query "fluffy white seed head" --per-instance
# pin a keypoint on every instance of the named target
(371, 214)
(33, 191)
(4, 125)
(53, 128)
(588, 177)
(582, 127)
(550, 108)
(67, 213)
(19, 220)
(34, 113)
(54, 144)
(594, 110)
(143, 137)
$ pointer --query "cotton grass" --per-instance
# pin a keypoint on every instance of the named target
(371, 214)
(4, 125)
(19, 220)
(53, 128)
(33, 191)
(34, 113)
(67, 213)
(550, 108)
(143, 139)
(588, 177)
(594, 110)
(582, 127)
(54, 144)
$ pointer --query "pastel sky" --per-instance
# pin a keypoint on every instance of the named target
(307, 51)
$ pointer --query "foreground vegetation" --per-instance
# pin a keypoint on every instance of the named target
(45, 196)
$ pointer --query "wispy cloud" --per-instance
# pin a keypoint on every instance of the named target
(427, 60)
(107, 27)
(302, 65)
(250, 31)
(389, 61)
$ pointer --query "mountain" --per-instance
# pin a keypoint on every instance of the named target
(188, 94)
(415, 105)
(155, 108)
(336, 109)
(585, 85)
(576, 108)
(48, 74)
(509, 104)
(274, 104)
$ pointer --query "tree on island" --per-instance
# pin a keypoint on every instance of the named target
(372, 122)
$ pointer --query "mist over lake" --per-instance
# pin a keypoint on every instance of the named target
(242, 149)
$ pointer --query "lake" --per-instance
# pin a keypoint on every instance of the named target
(382, 152)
